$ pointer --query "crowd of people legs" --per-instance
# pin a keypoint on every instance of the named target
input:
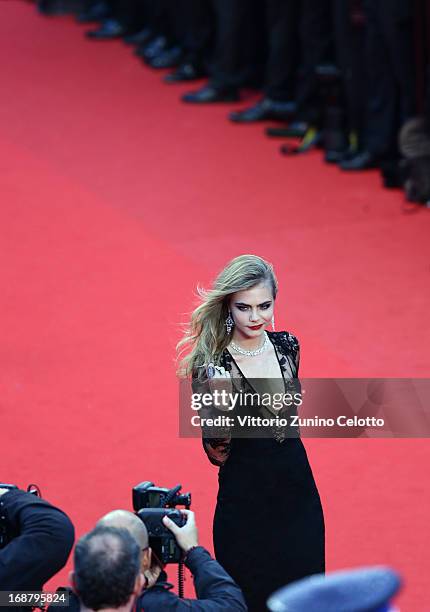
(347, 76)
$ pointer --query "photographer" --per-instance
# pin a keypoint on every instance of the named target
(107, 571)
(39, 538)
(216, 591)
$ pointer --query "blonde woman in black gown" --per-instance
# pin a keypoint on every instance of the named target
(268, 526)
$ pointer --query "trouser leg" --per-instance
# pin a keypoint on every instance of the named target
(129, 13)
(350, 47)
(398, 25)
(233, 57)
(382, 102)
(198, 30)
(282, 17)
(316, 47)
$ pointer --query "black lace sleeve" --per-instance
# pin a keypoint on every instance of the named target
(217, 447)
(289, 348)
(295, 351)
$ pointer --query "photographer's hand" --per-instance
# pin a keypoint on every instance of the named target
(152, 575)
(186, 536)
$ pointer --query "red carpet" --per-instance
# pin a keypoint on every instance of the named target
(116, 200)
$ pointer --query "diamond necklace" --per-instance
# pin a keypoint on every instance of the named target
(258, 351)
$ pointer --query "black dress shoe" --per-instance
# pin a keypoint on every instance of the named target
(363, 161)
(185, 72)
(296, 129)
(52, 7)
(141, 49)
(153, 48)
(337, 157)
(265, 109)
(209, 94)
(98, 12)
(109, 29)
(139, 38)
(310, 140)
(332, 156)
(167, 59)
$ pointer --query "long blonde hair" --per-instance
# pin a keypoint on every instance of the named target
(206, 335)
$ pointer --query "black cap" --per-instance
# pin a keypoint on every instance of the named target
(367, 589)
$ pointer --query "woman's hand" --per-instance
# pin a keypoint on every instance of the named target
(220, 380)
(214, 371)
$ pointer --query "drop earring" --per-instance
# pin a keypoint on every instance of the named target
(229, 323)
(273, 322)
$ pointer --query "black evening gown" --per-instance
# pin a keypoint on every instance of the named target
(268, 526)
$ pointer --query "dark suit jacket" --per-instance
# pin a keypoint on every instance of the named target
(43, 539)
(216, 591)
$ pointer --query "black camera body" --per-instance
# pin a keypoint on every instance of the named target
(152, 504)
(161, 540)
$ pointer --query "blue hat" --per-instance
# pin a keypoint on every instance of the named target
(368, 589)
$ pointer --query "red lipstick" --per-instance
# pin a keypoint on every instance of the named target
(255, 326)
